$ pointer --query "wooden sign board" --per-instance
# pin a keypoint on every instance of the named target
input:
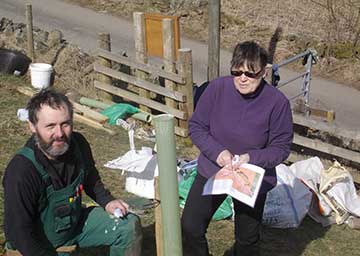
(153, 31)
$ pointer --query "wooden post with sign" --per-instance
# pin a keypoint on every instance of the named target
(154, 34)
(169, 58)
(178, 77)
(140, 53)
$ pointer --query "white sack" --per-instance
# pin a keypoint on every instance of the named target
(288, 203)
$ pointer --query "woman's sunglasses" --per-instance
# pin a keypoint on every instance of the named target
(246, 73)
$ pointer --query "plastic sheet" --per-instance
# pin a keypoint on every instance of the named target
(13, 62)
(120, 110)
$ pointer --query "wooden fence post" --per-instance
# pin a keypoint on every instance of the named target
(29, 32)
(214, 39)
(104, 43)
(158, 222)
(169, 58)
(185, 69)
(140, 53)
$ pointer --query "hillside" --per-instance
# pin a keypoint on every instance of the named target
(331, 27)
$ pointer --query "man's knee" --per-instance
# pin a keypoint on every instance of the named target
(137, 228)
(132, 240)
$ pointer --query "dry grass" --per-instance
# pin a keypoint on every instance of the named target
(330, 27)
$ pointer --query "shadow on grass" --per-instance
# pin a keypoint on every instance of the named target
(292, 241)
(310, 239)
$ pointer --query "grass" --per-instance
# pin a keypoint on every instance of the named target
(309, 239)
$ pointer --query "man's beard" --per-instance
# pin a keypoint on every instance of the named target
(49, 149)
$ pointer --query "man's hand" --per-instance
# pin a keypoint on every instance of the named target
(117, 203)
(224, 158)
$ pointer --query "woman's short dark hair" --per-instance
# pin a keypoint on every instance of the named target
(47, 97)
(250, 54)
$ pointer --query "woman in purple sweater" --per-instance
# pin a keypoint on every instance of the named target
(237, 115)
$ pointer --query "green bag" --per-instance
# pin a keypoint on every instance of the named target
(225, 209)
(119, 110)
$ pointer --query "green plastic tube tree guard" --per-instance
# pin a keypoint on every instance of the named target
(142, 116)
(168, 183)
(94, 103)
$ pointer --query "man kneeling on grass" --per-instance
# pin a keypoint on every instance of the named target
(43, 186)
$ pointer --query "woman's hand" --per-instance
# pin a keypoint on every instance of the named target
(224, 158)
(239, 160)
(117, 203)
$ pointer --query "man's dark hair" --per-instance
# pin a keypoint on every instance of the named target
(49, 98)
(250, 54)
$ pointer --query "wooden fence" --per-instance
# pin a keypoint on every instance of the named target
(177, 76)
(325, 140)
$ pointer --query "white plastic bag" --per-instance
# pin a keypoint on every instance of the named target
(333, 187)
(132, 161)
(143, 183)
(338, 190)
(140, 166)
(288, 203)
(309, 172)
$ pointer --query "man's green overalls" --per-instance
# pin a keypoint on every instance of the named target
(63, 221)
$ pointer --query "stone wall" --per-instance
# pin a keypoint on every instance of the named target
(72, 67)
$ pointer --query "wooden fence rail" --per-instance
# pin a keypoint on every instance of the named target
(140, 66)
(141, 100)
(327, 148)
(327, 139)
(178, 96)
(182, 98)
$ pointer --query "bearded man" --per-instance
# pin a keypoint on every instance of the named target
(43, 185)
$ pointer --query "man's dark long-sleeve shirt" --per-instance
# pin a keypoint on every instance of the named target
(23, 187)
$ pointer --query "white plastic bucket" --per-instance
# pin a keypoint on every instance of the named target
(40, 75)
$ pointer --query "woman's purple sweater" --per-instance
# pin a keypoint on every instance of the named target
(259, 124)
